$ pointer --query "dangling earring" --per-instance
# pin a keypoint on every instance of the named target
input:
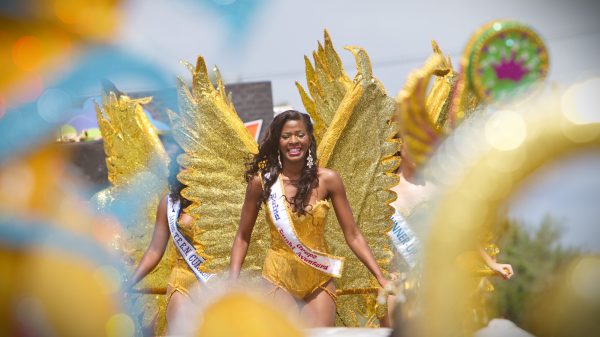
(279, 159)
(309, 159)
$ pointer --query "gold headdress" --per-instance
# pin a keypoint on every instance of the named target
(423, 115)
(502, 59)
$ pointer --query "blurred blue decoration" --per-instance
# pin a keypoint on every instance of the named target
(237, 14)
(26, 234)
(128, 202)
(30, 124)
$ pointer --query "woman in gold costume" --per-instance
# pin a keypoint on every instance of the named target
(182, 279)
(287, 160)
(414, 194)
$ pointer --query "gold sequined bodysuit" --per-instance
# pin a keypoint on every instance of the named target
(182, 279)
(284, 269)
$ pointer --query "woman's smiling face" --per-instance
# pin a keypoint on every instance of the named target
(294, 141)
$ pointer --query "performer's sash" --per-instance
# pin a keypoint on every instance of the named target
(404, 239)
(185, 248)
(327, 264)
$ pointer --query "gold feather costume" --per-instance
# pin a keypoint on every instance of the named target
(353, 123)
(217, 145)
(134, 151)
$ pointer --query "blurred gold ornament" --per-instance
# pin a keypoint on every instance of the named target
(419, 132)
(570, 305)
(51, 270)
(39, 185)
(438, 99)
(427, 117)
(470, 203)
(255, 318)
(45, 33)
(49, 291)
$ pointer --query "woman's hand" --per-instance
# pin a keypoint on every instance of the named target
(503, 269)
(384, 283)
(388, 286)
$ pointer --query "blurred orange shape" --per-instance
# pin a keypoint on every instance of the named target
(27, 52)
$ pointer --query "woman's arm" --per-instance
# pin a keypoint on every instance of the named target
(503, 269)
(155, 251)
(244, 232)
(352, 234)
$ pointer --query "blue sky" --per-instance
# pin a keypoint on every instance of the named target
(276, 34)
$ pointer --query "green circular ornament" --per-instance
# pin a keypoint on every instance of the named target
(504, 58)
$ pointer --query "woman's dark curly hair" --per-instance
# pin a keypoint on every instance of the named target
(175, 186)
(267, 160)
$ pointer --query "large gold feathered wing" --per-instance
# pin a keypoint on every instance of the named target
(133, 150)
(357, 143)
(131, 143)
(217, 146)
(327, 84)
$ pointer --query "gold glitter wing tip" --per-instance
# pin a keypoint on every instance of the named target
(363, 63)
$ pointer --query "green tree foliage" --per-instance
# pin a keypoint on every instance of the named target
(536, 256)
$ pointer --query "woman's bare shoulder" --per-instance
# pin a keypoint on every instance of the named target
(255, 181)
(162, 204)
(330, 178)
(328, 174)
(255, 186)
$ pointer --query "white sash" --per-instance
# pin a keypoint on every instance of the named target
(404, 239)
(327, 264)
(185, 248)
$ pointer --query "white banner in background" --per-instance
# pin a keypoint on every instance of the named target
(185, 248)
(404, 239)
